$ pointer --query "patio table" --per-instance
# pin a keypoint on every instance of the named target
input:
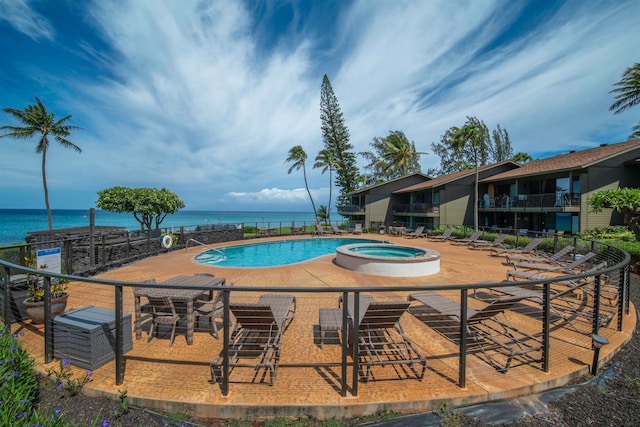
(178, 295)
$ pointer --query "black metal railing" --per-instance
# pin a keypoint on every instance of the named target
(616, 272)
(531, 201)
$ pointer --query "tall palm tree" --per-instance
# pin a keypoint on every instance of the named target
(326, 161)
(628, 94)
(38, 120)
(298, 157)
(474, 135)
(399, 154)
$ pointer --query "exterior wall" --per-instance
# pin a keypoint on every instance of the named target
(377, 211)
(378, 199)
(457, 207)
(605, 176)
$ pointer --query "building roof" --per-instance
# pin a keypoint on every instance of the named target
(569, 161)
(450, 177)
(363, 189)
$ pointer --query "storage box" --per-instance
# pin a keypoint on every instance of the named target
(86, 336)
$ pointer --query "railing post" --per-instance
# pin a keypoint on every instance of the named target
(596, 305)
(546, 317)
(622, 294)
(356, 339)
(345, 346)
(48, 322)
(92, 244)
(6, 279)
(119, 337)
(627, 283)
(226, 319)
(462, 372)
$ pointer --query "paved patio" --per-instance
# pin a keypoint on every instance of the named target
(175, 379)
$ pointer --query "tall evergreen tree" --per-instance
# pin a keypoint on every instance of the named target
(335, 136)
(628, 94)
(39, 121)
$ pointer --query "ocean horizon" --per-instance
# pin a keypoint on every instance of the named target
(15, 224)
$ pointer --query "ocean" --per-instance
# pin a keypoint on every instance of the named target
(16, 223)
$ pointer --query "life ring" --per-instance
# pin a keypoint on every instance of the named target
(167, 241)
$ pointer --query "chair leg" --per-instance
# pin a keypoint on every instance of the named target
(173, 334)
(153, 324)
(215, 327)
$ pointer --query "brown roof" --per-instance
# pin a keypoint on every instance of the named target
(569, 161)
(363, 189)
(450, 177)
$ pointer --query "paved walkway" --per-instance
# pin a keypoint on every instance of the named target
(175, 379)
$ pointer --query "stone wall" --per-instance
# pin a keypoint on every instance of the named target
(113, 247)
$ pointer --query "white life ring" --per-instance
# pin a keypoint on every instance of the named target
(167, 241)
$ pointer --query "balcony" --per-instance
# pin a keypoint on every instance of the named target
(350, 210)
(415, 209)
(549, 201)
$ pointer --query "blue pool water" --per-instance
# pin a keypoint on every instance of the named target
(389, 251)
(270, 254)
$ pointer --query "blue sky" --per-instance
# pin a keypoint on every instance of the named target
(205, 98)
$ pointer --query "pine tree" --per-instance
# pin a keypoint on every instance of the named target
(335, 136)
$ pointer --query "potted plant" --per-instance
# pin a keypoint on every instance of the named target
(34, 304)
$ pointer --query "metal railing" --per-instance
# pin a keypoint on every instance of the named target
(617, 273)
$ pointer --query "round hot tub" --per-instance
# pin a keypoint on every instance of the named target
(390, 260)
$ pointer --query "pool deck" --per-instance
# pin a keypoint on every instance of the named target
(175, 379)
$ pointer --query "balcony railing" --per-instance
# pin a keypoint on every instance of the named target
(414, 208)
(531, 201)
(350, 210)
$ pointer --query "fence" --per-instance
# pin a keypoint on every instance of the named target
(607, 293)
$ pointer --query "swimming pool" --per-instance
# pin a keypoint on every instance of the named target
(388, 260)
(271, 254)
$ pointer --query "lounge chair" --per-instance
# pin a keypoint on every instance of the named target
(441, 237)
(382, 341)
(336, 230)
(547, 259)
(568, 300)
(416, 233)
(498, 243)
(357, 229)
(319, 229)
(567, 268)
(488, 329)
(534, 243)
(257, 335)
(466, 240)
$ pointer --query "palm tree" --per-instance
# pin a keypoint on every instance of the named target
(38, 120)
(298, 157)
(628, 94)
(323, 214)
(475, 135)
(399, 154)
(521, 157)
(326, 161)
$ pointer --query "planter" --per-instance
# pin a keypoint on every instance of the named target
(35, 310)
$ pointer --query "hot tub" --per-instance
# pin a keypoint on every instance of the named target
(390, 260)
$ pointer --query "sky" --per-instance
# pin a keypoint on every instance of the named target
(205, 98)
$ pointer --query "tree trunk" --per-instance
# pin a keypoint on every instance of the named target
(315, 213)
(46, 190)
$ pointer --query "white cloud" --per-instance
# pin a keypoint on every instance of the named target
(20, 15)
(187, 97)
